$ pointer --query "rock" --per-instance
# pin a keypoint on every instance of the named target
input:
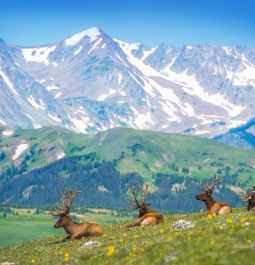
(183, 224)
(89, 244)
(171, 257)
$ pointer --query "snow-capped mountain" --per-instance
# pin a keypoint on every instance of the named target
(91, 82)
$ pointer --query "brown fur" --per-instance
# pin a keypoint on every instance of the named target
(148, 219)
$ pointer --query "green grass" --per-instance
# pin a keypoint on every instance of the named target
(221, 240)
(17, 229)
(158, 154)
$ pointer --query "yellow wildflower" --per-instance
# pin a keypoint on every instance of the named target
(110, 250)
(135, 236)
(189, 238)
(212, 242)
(248, 241)
(243, 220)
(209, 216)
(229, 221)
(252, 218)
(121, 240)
(161, 231)
(33, 260)
(169, 238)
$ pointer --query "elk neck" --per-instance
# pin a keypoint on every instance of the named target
(147, 210)
(209, 202)
(70, 226)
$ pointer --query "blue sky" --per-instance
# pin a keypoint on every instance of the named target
(177, 22)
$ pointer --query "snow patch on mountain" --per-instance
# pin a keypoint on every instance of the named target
(78, 50)
(8, 82)
(38, 106)
(3, 122)
(104, 96)
(52, 87)
(242, 78)
(19, 150)
(61, 154)
(148, 52)
(35, 124)
(95, 45)
(92, 33)
(54, 118)
(39, 55)
(7, 132)
(58, 95)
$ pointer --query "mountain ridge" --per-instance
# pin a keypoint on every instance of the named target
(202, 89)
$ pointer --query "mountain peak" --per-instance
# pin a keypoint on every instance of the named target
(92, 33)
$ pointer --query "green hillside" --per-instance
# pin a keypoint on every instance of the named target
(143, 152)
(227, 240)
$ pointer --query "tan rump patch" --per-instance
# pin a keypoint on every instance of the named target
(149, 221)
(224, 210)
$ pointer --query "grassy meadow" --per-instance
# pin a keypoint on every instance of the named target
(213, 241)
(28, 225)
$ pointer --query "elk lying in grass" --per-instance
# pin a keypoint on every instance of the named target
(213, 206)
(146, 215)
(73, 229)
(250, 198)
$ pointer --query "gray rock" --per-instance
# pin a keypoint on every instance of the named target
(183, 224)
(90, 244)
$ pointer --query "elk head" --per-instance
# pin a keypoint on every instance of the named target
(142, 206)
(250, 198)
(63, 212)
(207, 189)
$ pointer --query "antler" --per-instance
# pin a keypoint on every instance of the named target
(246, 196)
(209, 188)
(135, 203)
(65, 209)
(144, 191)
(249, 195)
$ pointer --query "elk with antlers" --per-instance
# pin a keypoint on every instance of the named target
(250, 198)
(146, 215)
(73, 229)
(213, 206)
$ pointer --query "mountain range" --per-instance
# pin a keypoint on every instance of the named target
(91, 82)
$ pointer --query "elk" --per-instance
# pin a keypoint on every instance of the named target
(73, 229)
(213, 206)
(250, 198)
(146, 215)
